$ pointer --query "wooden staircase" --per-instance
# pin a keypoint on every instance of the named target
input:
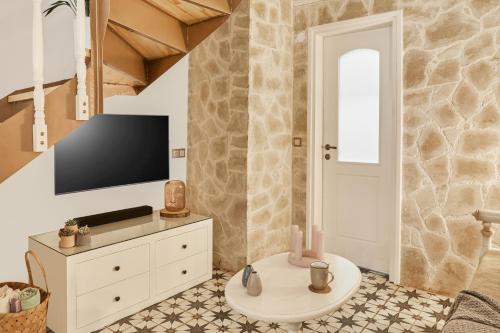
(133, 43)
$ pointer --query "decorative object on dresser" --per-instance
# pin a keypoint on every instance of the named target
(175, 199)
(71, 225)
(33, 316)
(305, 258)
(129, 266)
(66, 238)
(83, 236)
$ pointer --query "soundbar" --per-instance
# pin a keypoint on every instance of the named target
(114, 216)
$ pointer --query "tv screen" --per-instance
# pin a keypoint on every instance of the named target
(112, 150)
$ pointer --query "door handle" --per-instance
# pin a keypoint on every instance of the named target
(328, 147)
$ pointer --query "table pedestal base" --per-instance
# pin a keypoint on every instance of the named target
(294, 327)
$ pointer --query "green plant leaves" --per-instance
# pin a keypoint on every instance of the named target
(68, 3)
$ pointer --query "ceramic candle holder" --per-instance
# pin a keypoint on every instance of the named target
(304, 258)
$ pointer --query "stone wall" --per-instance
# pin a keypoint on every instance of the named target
(240, 132)
(270, 128)
(217, 135)
(451, 130)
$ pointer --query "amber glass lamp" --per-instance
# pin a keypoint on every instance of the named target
(175, 199)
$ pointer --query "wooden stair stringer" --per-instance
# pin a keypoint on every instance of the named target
(17, 150)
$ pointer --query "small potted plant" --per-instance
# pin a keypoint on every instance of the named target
(83, 236)
(72, 225)
(67, 238)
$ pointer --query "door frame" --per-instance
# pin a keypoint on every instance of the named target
(314, 191)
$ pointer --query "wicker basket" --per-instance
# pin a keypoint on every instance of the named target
(33, 320)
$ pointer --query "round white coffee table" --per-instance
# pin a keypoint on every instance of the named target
(285, 295)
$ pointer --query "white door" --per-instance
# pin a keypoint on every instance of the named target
(359, 144)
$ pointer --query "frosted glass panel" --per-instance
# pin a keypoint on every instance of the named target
(358, 116)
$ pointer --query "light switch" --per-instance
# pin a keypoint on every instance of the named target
(297, 141)
(179, 153)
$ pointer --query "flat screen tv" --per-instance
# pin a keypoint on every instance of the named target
(112, 150)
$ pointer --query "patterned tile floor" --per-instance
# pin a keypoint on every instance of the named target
(379, 306)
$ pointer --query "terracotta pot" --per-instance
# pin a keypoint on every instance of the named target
(66, 242)
(73, 228)
(254, 284)
(83, 240)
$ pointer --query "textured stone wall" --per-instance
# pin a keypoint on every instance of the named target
(270, 128)
(217, 135)
(451, 130)
(240, 132)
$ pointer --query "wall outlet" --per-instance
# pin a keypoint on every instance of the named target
(179, 153)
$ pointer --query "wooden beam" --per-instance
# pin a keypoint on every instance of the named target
(199, 31)
(119, 55)
(149, 21)
(159, 66)
(99, 12)
(220, 6)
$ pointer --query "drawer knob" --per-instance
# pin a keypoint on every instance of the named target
(184, 246)
(184, 272)
(117, 298)
(116, 268)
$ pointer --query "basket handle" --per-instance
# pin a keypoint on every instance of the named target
(28, 267)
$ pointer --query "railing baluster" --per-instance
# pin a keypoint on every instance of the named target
(82, 100)
(40, 135)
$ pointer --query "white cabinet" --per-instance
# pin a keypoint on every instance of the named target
(128, 267)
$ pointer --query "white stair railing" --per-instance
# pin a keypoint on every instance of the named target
(487, 218)
(82, 100)
(40, 135)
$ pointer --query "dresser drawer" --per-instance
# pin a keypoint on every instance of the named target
(181, 246)
(100, 272)
(181, 272)
(105, 301)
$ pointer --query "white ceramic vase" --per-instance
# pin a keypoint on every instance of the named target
(254, 284)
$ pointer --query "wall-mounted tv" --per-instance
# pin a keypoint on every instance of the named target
(112, 150)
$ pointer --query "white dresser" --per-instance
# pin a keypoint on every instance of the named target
(130, 265)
